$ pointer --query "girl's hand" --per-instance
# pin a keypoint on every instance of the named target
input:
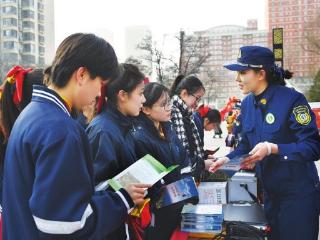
(218, 164)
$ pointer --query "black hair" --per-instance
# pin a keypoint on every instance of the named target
(130, 77)
(153, 92)
(276, 75)
(190, 83)
(83, 50)
(213, 115)
(9, 110)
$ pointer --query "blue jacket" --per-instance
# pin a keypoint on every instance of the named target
(48, 188)
(282, 116)
(198, 120)
(168, 151)
(113, 150)
(112, 143)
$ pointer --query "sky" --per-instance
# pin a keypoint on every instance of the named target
(103, 17)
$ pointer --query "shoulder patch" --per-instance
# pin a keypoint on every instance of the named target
(302, 114)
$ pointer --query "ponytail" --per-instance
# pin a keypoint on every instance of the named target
(47, 76)
(175, 84)
(276, 75)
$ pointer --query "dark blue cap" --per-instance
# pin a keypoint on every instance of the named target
(253, 57)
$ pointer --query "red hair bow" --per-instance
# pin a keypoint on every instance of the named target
(16, 76)
(203, 110)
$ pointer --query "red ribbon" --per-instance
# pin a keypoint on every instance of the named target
(203, 110)
(101, 99)
(16, 76)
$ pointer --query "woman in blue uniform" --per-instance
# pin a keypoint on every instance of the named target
(109, 132)
(154, 135)
(280, 133)
(48, 192)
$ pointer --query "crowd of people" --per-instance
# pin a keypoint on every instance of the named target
(86, 118)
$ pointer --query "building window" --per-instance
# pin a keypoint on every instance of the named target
(27, 3)
(9, 1)
(28, 25)
(10, 45)
(10, 33)
(40, 17)
(28, 48)
(27, 14)
(28, 59)
(10, 22)
(41, 61)
(40, 28)
(9, 10)
(28, 36)
(40, 6)
(41, 50)
(41, 39)
(10, 57)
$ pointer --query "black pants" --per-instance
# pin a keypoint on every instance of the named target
(166, 221)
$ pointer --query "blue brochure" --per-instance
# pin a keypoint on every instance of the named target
(184, 190)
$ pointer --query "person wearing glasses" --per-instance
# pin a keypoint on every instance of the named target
(154, 135)
(186, 93)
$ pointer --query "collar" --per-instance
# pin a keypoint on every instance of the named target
(154, 131)
(180, 104)
(123, 121)
(45, 94)
(264, 98)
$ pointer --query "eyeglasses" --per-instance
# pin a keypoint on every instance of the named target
(165, 105)
(198, 99)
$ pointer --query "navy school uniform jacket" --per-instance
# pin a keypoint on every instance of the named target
(169, 151)
(113, 150)
(48, 190)
(284, 118)
(112, 144)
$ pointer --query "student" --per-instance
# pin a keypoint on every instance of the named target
(283, 141)
(186, 92)
(16, 95)
(109, 132)
(206, 119)
(155, 135)
(47, 188)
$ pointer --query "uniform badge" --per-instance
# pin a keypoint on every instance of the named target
(263, 101)
(270, 118)
(302, 115)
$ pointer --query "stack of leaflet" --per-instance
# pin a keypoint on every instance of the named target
(202, 218)
(233, 165)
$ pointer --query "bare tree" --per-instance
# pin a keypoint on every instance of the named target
(192, 59)
(144, 68)
(154, 55)
(313, 37)
(193, 53)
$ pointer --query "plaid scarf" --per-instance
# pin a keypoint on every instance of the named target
(182, 119)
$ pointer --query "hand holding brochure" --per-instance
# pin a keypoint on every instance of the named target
(233, 165)
(146, 170)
